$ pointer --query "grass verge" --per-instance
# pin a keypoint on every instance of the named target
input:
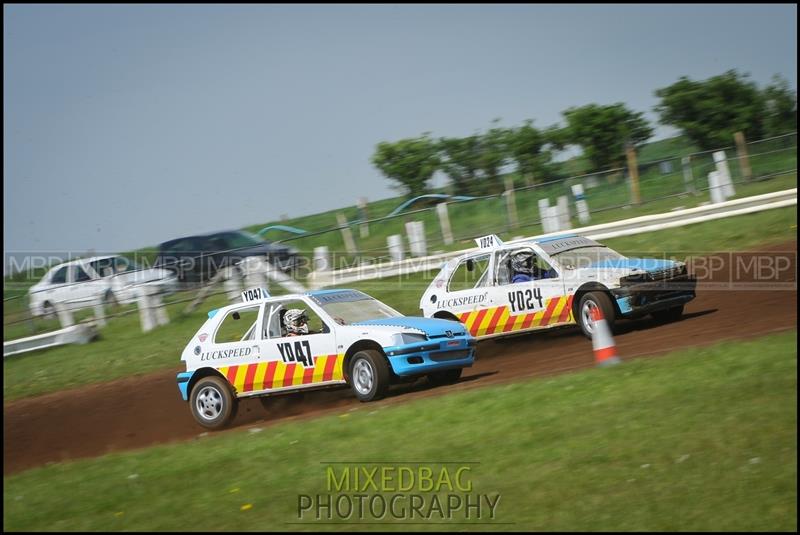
(701, 439)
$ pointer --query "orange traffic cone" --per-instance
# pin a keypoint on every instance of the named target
(605, 351)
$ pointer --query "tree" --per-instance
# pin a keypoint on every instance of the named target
(780, 107)
(459, 160)
(493, 157)
(604, 131)
(526, 146)
(410, 162)
(710, 112)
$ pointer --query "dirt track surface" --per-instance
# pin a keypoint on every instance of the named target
(144, 410)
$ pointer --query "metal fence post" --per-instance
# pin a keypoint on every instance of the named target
(741, 150)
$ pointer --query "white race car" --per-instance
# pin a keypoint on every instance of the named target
(571, 276)
(247, 349)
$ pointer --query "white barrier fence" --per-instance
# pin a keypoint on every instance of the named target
(625, 227)
(76, 334)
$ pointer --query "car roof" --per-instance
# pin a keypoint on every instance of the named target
(85, 260)
(207, 234)
(273, 298)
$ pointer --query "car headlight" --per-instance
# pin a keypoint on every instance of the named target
(408, 338)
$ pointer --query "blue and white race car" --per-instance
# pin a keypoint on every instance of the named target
(502, 289)
(265, 346)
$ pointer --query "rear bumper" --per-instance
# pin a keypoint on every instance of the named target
(427, 357)
(644, 298)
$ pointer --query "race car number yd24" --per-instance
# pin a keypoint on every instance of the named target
(522, 300)
(301, 352)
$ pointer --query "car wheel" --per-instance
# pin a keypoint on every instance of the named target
(48, 311)
(668, 315)
(587, 304)
(446, 377)
(212, 402)
(369, 375)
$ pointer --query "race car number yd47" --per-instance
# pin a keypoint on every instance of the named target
(266, 346)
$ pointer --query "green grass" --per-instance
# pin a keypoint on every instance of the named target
(702, 439)
(124, 350)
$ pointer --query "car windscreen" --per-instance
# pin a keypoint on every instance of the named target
(353, 307)
(583, 257)
(239, 240)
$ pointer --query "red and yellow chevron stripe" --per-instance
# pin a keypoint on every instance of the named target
(276, 374)
(494, 320)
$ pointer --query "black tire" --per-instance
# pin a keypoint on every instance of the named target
(218, 406)
(594, 299)
(48, 310)
(669, 315)
(368, 374)
(446, 377)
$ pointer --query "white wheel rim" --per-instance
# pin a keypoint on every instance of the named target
(209, 403)
(363, 376)
(586, 316)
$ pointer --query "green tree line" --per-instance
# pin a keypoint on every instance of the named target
(708, 112)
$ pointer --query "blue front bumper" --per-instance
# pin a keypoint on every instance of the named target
(183, 384)
(432, 355)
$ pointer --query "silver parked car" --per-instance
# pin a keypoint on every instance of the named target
(107, 279)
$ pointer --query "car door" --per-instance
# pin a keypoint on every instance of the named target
(86, 287)
(300, 361)
(532, 304)
(469, 293)
(58, 289)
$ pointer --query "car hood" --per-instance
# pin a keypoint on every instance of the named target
(430, 326)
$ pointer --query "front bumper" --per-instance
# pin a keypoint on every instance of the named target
(183, 384)
(432, 355)
(634, 300)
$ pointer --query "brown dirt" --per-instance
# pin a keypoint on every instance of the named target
(147, 409)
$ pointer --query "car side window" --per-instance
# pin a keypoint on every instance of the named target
(237, 325)
(541, 269)
(274, 326)
(60, 276)
(81, 275)
(471, 273)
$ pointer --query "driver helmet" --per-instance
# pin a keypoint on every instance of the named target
(296, 321)
(522, 261)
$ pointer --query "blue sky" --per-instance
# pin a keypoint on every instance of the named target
(128, 125)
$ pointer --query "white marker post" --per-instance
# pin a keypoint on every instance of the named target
(580, 204)
(232, 283)
(562, 209)
(544, 215)
(715, 188)
(724, 173)
(416, 238)
(395, 242)
(321, 258)
(444, 222)
(347, 235)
